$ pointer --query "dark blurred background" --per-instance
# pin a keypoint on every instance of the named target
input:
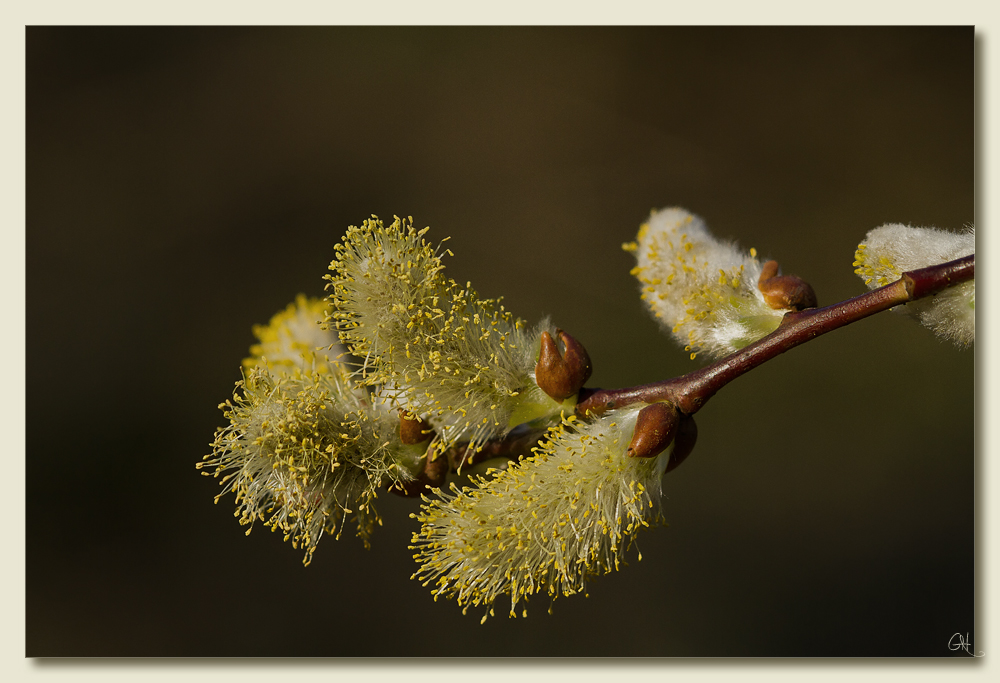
(184, 184)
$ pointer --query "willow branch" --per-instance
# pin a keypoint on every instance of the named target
(690, 392)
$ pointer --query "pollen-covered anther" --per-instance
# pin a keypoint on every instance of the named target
(561, 375)
(655, 428)
(784, 291)
(413, 429)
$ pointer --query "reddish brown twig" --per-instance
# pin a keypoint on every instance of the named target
(519, 442)
(690, 392)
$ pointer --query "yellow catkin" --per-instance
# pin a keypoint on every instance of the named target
(294, 340)
(445, 351)
(303, 453)
(702, 290)
(550, 522)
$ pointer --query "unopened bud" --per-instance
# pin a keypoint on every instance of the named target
(655, 427)
(784, 291)
(561, 376)
(687, 434)
(413, 429)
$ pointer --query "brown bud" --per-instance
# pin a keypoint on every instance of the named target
(561, 376)
(784, 291)
(687, 434)
(435, 470)
(412, 429)
(655, 428)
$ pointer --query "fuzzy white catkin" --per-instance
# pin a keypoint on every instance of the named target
(700, 289)
(890, 250)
